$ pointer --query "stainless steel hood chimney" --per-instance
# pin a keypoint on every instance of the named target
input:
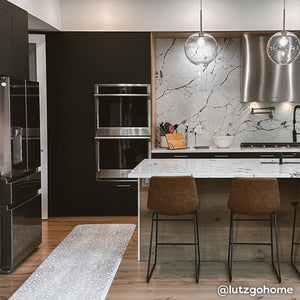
(263, 80)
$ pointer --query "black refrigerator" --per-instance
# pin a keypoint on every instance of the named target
(20, 178)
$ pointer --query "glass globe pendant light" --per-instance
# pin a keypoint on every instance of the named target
(201, 47)
(283, 47)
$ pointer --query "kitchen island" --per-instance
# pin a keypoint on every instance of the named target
(213, 177)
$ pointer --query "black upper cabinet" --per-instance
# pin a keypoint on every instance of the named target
(20, 48)
(122, 58)
(6, 43)
(14, 58)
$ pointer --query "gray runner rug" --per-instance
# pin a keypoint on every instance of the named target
(82, 266)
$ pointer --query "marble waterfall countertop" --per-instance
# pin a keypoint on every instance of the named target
(236, 149)
(217, 168)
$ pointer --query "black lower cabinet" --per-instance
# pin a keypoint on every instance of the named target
(121, 196)
(212, 154)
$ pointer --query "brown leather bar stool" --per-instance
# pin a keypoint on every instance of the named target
(254, 196)
(176, 195)
(296, 206)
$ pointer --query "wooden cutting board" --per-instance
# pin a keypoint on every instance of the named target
(176, 141)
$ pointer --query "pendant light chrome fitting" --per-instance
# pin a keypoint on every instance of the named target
(201, 47)
(283, 47)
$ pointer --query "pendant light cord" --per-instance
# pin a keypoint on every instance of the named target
(283, 21)
(200, 19)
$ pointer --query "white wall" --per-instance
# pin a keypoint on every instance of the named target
(48, 11)
(134, 15)
(163, 15)
(177, 15)
(40, 41)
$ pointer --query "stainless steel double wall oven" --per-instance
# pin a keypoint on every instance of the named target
(123, 128)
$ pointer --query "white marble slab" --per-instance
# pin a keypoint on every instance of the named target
(208, 98)
(217, 168)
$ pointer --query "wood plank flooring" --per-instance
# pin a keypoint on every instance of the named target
(171, 280)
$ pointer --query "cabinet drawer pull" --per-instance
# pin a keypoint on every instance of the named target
(288, 155)
(123, 185)
(266, 155)
(221, 156)
(180, 156)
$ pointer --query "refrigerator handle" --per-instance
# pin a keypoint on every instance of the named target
(16, 138)
(16, 132)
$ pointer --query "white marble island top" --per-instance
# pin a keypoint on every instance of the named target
(217, 168)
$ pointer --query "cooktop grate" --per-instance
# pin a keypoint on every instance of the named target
(270, 145)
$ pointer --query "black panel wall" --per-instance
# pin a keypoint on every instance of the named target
(75, 61)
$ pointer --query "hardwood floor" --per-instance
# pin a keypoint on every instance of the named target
(54, 231)
(171, 280)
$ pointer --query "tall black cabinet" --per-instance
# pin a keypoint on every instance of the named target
(75, 62)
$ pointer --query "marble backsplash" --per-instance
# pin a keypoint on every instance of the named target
(208, 98)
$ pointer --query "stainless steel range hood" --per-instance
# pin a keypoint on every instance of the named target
(262, 80)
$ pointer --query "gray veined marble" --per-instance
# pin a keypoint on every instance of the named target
(208, 97)
(217, 168)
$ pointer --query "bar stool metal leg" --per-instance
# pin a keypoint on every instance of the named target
(231, 243)
(277, 271)
(149, 273)
(230, 247)
(293, 243)
(271, 232)
(197, 251)
(195, 243)
(198, 245)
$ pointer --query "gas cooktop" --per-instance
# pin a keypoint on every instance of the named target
(270, 145)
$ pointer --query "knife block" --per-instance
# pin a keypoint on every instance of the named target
(176, 141)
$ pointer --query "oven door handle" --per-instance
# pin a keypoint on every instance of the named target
(117, 180)
(122, 137)
(123, 185)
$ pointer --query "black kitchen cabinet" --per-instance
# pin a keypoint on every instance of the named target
(122, 58)
(75, 62)
(20, 47)
(226, 155)
(6, 43)
(70, 126)
(121, 196)
(14, 58)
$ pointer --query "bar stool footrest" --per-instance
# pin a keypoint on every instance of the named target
(171, 244)
(264, 244)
